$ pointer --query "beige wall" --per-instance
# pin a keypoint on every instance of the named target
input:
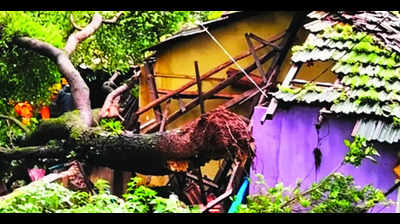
(177, 59)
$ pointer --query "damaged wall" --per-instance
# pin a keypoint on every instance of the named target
(285, 147)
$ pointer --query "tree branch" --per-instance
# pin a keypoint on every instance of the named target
(80, 91)
(17, 122)
(76, 38)
(112, 98)
(114, 19)
(201, 140)
(71, 19)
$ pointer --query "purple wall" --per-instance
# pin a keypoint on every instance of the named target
(285, 147)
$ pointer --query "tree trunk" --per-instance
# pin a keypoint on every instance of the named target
(212, 136)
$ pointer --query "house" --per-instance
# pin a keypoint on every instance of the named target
(362, 50)
(173, 66)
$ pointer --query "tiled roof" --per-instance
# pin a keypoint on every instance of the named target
(366, 57)
(326, 95)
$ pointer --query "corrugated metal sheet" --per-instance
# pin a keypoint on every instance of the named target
(382, 131)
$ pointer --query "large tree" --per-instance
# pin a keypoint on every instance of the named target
(38, 48)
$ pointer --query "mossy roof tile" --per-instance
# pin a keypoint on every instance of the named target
(367, 60)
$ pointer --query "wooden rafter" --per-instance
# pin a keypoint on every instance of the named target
(256, 60)
(198, 81)
(213, 91)
(202, 77)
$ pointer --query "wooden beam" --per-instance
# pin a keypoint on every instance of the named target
(259, 39)
(242, 97)
(198, 81)
(211, 92)
(322, 84)
(193, 82)
(274, 102)
(256, 60)
(194, 94)
(228, 191)
(180, 76)
(197, 172)
(244, 82)
(205, 181)
(290, 36)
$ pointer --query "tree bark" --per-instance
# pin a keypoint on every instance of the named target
(80, 90)
(214, 135)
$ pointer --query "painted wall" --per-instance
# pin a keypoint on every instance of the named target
(177, 59)
(285, 151)
(175, 67)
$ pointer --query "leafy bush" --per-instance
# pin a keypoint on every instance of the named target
(41, 197)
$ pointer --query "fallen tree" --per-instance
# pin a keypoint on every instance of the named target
(212, 136)
(78, 135)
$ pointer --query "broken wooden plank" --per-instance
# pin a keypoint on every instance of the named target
(205, 181)
(197, 172)
(226, 194)
(198, 81)
(274, 102)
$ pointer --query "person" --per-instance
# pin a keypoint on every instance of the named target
(63, 103)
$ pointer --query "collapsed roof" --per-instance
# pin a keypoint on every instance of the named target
(365, 50)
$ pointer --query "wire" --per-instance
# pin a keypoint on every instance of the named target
(233, 60)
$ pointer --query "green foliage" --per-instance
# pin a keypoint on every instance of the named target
(27, 76)
(49, 26)
(111, 125)
(396, 122)
(341, 98)
(38, 198)
(41, 197)
(141, 199)
(370, 96)
(118, 47)
(337, 194)
(359, 149)
(269, 200)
